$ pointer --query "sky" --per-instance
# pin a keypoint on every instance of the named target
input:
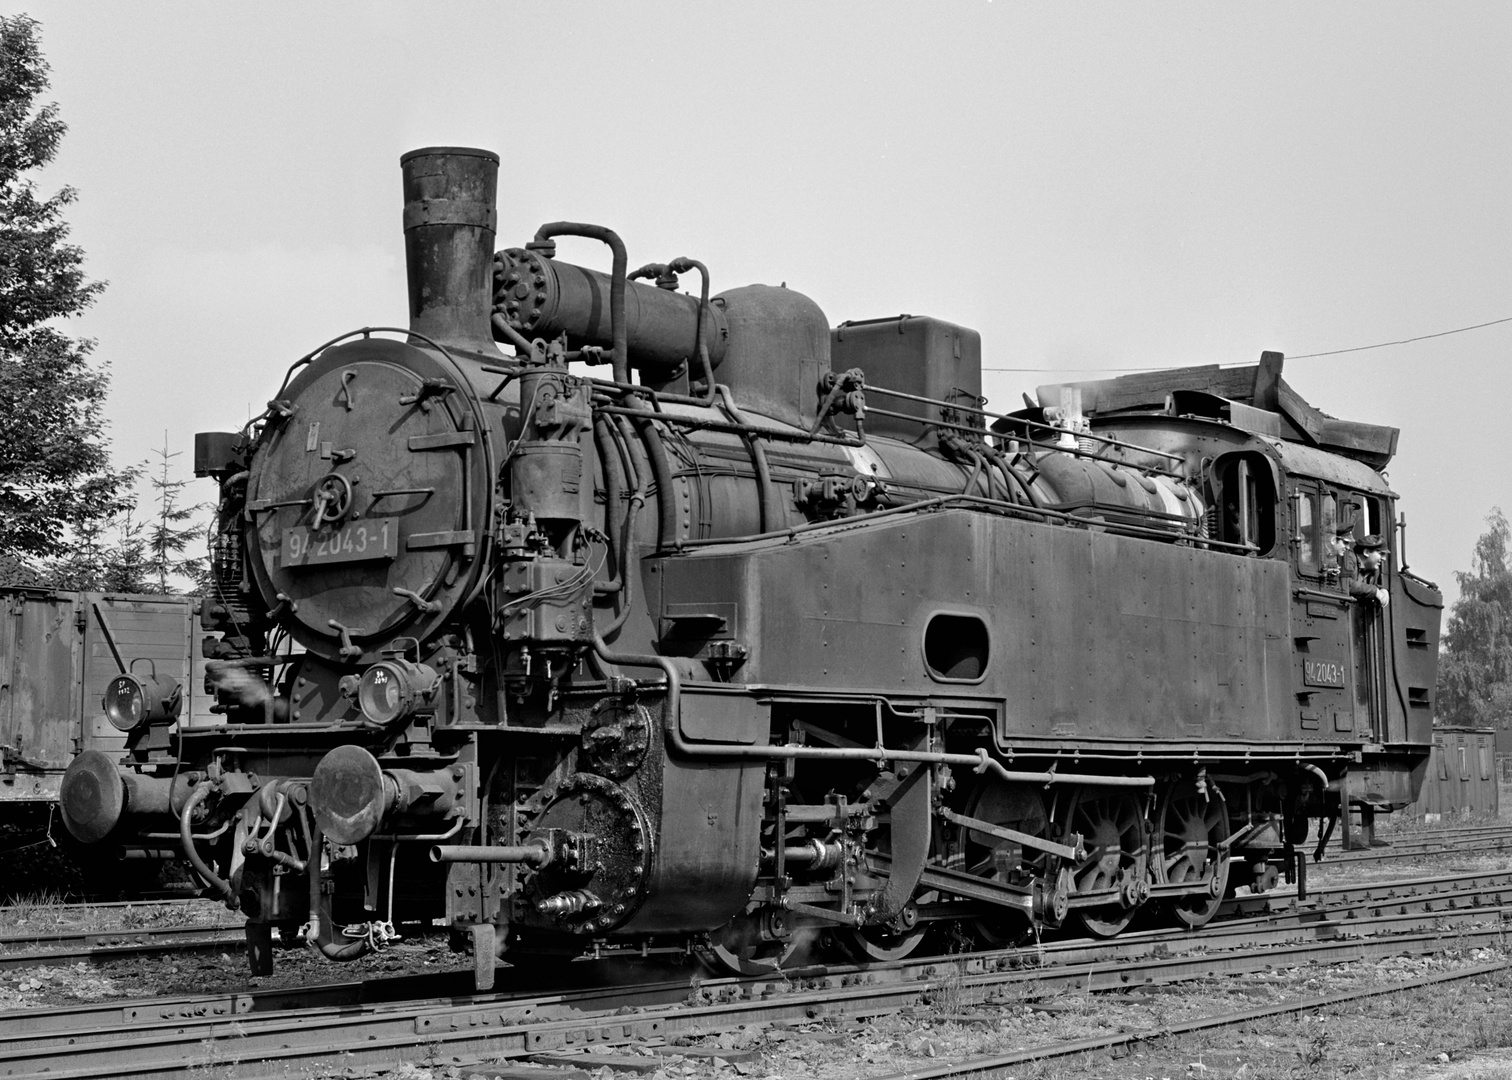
(1093, 187)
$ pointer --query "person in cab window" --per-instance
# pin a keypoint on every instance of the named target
(1341, 568)
(1369, 554)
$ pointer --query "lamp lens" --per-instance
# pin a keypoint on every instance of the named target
(124, 703)
(380, 695)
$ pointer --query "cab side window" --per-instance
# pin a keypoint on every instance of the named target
(1309, 551)
(1246, 502)
(1375, 518)
(1315, 514)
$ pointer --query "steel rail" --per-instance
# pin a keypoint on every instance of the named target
(1432, 836)
(19, 1025)
(97, 945)
(460, 1033)
(886, 988)
(1419, 849)
(1280, 915)
(990, 1066)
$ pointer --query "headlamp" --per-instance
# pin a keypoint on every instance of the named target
(131, 701)
(391, 690)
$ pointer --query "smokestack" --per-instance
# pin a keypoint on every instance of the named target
(449, 219)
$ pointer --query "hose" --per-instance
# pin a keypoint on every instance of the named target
(319, 934)
(976, 473)
(186, 838)
(1018, 478)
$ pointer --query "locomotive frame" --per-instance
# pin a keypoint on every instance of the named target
(731, 657)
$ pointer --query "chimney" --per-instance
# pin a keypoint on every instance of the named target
(449, 219)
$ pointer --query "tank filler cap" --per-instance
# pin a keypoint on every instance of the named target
(92, 797)
(346, 793)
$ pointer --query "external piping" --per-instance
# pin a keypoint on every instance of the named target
(186, 840)
(627, 532)
(979, 762)
(769, 515)
(661, 469)
(620, 360)
(319, 933)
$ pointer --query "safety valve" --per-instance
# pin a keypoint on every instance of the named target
(132, 700)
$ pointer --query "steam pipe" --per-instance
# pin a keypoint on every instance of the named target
(661, 470)
(979, 762)
(769, 515)
(186, 841)
(968, 501)
(1008, 470)
(697, 424)
(700, 334)
(874, 389)
(614, 487)
(620, 357)
(627, 532)
(517, 339)
(976, 473)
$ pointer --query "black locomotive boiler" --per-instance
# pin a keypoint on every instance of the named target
(770, 632)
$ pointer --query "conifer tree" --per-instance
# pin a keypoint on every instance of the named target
(55, 473)
(1475, 665)
(170, 539)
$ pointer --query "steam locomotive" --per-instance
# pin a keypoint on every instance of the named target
(775, 634)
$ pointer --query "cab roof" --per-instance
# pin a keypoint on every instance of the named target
(1251, 397)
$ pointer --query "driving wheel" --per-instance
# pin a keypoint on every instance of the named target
(1112, 827)
(1190, 847)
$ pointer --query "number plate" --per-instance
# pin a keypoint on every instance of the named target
(1322, 673)
(356, 541)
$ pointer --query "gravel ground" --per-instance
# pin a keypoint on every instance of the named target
(1457, 1030)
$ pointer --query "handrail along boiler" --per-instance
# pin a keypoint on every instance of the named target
(775, 629)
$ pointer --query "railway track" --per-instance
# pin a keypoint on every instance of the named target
(373, 1024)
(66, 947)
(991, 1065)
(89, 946)
(1472, 840)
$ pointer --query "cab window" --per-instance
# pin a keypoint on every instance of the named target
(1309, 551)
(1315, 512)
(1246, 501)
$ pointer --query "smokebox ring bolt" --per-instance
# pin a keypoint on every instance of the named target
(348, 650)
(427, 607)
(333, 498)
